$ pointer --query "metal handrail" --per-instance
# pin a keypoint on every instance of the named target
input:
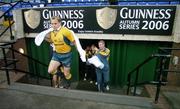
(4, 3)
(157, 83)
(27, 56)
(23, 71)
(147, 60)
(166, 50)
(8, 12)
(135, 69)
(7, 69)
(7, 28)
(9, 45)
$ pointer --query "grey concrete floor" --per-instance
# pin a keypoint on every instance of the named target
(11, 99)
(23, 96)
(26, 97)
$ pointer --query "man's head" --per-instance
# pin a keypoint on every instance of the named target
(55, 22)
(101, 45)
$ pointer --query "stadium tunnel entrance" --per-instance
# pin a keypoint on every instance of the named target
(87, 71)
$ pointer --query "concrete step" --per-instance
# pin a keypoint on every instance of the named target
(173, 98)
(141, 102)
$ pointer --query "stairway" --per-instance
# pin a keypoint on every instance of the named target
(26, 96)
(4, 37)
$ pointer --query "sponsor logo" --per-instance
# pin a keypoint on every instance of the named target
(106, 17)
(32, 18)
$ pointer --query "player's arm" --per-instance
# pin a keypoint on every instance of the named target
(48, 38)
(74, 39)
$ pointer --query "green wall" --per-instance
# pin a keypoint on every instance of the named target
(41, 54)
(125, 55)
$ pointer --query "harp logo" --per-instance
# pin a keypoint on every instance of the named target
(106, 17)
(32, 18)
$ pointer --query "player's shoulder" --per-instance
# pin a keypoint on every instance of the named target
(107, 50)
(65, 28)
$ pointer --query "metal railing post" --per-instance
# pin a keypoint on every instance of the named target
(13, 56)
(129, 83)
(37, 73)
(135, 83)
(10, 27)
(5, 61)
(159, 79)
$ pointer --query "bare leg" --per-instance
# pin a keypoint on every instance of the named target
(53, 66)
(67, 73)
(52, 69)
(55, 81)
